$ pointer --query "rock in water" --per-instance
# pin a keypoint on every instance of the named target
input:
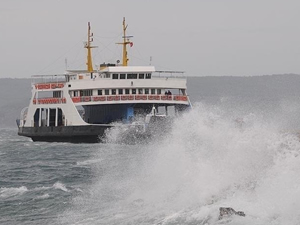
(226, 212)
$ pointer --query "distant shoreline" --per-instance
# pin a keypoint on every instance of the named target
(211, 89)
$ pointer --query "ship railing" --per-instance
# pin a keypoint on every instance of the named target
(139, 97)
(169, 74)
(49, 81)
(49, 101)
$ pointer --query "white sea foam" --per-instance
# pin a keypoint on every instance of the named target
(78, 189)
(44, 196)
(210, 159)
(58, 185)
(10, 192)
(88, 162)
(41, 188)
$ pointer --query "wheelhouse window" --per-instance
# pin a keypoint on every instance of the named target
(86, 92)
(120, 91)
(159, 91)
(131, 76)
(133, 91)
(56, 94)
(141, 76)
(113, 91)
(76, 93)
(152, 91)
(127, 91)
(146, 91)
(148, 76)
(99, 92)
(122, 76)
(106, 91)
(140, 91)
(115, 76)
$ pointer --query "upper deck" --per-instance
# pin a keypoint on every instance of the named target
(110, 85)
(114, 77)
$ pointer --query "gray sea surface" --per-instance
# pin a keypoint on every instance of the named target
(238, 147)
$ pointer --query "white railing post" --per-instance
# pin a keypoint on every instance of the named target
(56, 116)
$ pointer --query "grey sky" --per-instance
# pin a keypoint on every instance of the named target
(201, 37)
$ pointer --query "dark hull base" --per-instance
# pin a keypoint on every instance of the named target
(73, 134)
(128, 134)
(74, 139)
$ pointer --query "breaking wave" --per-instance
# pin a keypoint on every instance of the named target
(210, 158)
(10, 192)
(60, 186)
(44, 196)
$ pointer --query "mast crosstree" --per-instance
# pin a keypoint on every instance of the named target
(88, 46)
(126, 41)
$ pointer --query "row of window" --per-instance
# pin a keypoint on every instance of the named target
(131, 76)
(133, 91)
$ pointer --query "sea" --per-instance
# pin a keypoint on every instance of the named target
(237, 151)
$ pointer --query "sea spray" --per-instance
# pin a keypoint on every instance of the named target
(209, 159)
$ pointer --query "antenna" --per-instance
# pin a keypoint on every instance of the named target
(150, 60)
(66, 63)
(88, 46)
(126, 41)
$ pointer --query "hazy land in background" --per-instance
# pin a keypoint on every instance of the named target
(14, 96)
(251, 91)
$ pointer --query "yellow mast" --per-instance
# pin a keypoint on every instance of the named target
(88, 46)
(125, 43)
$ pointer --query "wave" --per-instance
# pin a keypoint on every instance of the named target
(88, 162)
(210, 158)
(6, 192)
(10, 192)
(60, 186)
(44, 196)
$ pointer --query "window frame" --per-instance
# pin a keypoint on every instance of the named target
(115, 76)
(132, 76)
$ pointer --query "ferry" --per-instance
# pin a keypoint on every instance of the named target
(80, 106)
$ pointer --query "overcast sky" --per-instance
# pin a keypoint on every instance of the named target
(201, 37)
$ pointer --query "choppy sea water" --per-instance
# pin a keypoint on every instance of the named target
(213, 157)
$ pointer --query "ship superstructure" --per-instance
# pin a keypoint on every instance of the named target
(80, 105)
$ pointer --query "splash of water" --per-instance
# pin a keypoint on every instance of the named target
(209, 159)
